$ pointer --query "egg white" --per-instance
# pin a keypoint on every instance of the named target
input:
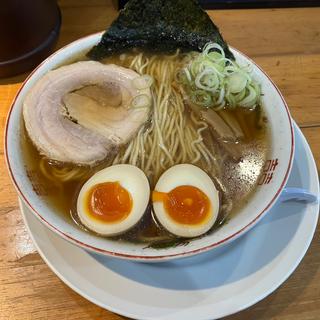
(186, 174)
(134, 181)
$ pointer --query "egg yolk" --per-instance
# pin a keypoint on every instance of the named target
(185, 204)
(109, 202)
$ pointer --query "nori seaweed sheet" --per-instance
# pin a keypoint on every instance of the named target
(159, 26)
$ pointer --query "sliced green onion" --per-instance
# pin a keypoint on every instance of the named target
(209, 46)
(209, 64)
(221, 97)
(201, 98)
(188, 74)
(143, 82)
(241, 94)
(220, 106)
(141, 101)
(183, 76)
(231, 100)
(194, 69)
(214, 56)
(250, 99)
(212, 80)
(224, 61)
(237, 82)
(207, 80)
(257, 88)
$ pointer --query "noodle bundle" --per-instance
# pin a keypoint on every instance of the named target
(173, 137)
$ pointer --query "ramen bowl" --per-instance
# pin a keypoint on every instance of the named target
(271, 183)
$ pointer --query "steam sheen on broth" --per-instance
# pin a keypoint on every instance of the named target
(176, 133)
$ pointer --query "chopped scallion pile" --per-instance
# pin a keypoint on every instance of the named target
(213, 81)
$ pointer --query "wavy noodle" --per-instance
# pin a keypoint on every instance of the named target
(63, 174)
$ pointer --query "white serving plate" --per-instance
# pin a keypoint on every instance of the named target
(207, 286)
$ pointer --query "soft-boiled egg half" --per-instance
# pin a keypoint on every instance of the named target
(186, 201)
(114, 199)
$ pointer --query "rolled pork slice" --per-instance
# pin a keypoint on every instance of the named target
(80, 112)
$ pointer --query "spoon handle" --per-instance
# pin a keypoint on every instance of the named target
(298, 194)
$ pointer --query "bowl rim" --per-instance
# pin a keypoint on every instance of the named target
(86, 246)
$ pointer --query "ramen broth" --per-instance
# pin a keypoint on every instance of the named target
(236, 184)
(236, 179)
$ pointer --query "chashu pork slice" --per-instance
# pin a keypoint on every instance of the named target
(80, 112)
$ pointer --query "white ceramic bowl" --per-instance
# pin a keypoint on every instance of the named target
(276, 172)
